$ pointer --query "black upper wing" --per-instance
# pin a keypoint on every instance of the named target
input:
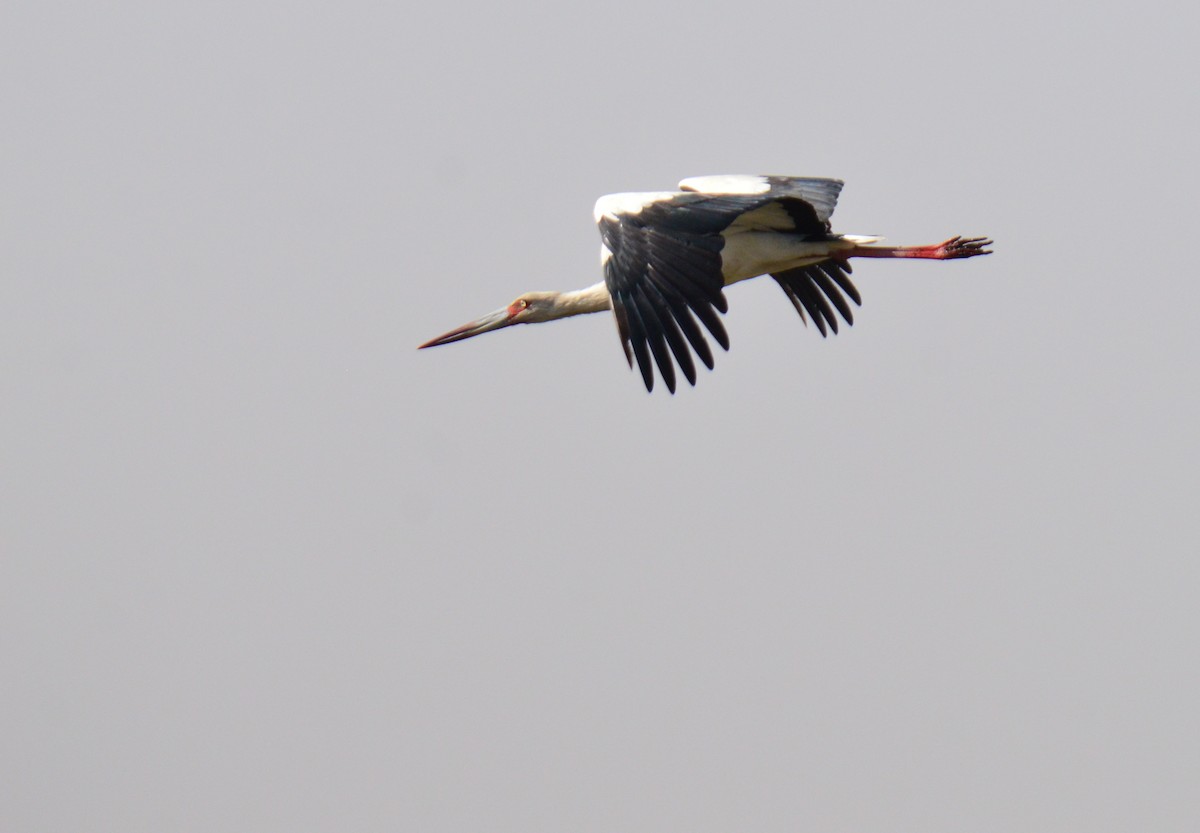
(819, 195)
(663, 270)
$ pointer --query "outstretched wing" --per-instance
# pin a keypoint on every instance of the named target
(662, 258)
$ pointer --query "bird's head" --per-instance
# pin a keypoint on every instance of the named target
(529, 308)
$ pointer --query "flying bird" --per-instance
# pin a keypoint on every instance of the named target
(668, 255)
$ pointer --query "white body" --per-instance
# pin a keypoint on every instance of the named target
(748, 254)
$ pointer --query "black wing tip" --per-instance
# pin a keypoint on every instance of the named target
(656, 326)
(812, 288)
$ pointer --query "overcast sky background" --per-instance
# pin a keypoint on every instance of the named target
(266, 567)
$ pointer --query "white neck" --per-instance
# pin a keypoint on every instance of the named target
(580, 301)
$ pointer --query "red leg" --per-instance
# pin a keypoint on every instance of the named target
(955, 247)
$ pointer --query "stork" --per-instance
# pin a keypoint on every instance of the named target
(668, 255)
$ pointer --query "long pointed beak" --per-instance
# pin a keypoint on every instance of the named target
(492, 321)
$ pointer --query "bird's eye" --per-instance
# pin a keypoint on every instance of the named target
(523, 304)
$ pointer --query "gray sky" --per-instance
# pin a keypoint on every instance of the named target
(266, 567)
